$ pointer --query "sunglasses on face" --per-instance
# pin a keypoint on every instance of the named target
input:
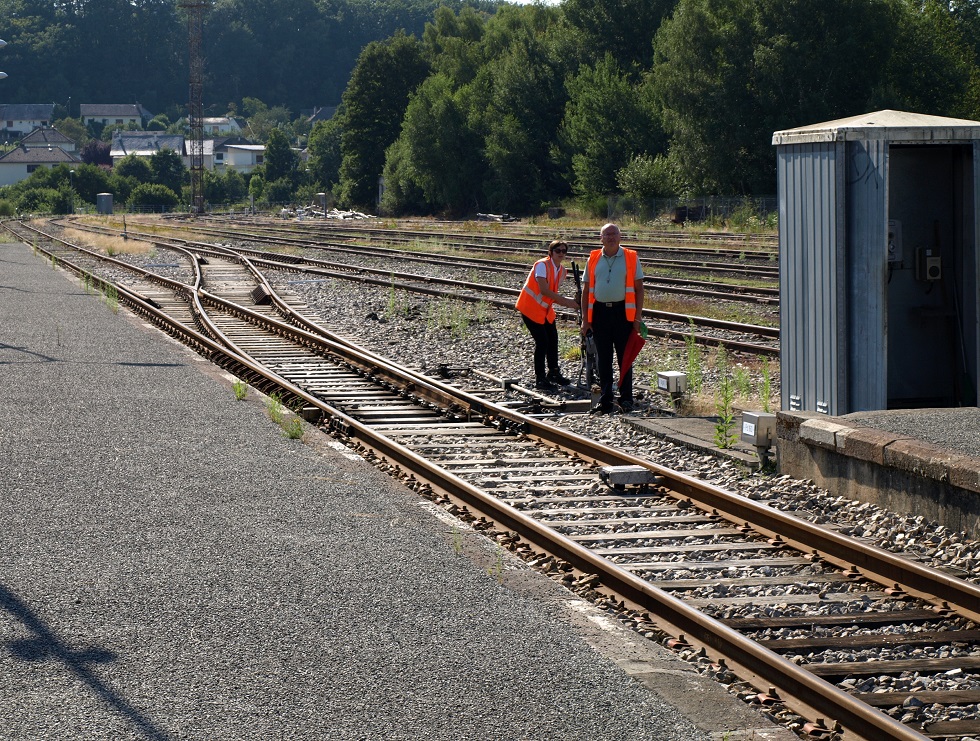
(560, 249)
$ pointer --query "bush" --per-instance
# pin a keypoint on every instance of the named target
(152, 194)
(7, 208)
(278, 191)
(37, 200)
(647, 177)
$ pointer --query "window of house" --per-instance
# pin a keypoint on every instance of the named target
(10, 124)
(258, 159)
(32, 168)
(219, 156)
(119, 121)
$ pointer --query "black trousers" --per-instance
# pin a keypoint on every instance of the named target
(611, 330)
(545, 346)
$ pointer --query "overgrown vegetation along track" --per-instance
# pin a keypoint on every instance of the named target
(715, 332)
(712, 569)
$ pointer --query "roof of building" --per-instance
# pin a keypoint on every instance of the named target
(26, 111)
(113, 110)
(888, 125)
(322, 113)
(221, 142)
(45, 135)
(220, 121)
(37, 156)
(144, 143)
(247, 147)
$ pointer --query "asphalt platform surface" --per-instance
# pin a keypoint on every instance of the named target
(172, 566)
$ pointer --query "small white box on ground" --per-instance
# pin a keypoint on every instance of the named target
(672, 382)
(758, 429)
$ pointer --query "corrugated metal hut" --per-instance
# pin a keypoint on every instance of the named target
(878, 237)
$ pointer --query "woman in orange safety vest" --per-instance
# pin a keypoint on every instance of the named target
(535, 303)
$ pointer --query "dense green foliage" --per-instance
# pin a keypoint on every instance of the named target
(479, 105)
(292, 53)
(656, 98)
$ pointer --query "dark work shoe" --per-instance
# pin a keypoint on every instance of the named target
(601, 409)
(543, 384)
(556, 377)
(627, 405)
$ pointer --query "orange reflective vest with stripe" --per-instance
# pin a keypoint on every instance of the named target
(532, 303)
(631, 263)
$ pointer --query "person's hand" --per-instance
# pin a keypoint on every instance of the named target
(586, 326)
(571, 303)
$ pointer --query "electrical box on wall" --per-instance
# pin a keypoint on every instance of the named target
(928, 267)
(894, 240)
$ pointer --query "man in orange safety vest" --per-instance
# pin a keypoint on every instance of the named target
(612, 302)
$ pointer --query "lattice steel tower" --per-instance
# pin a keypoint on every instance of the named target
(195, 106)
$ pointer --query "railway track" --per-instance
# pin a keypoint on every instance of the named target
(719, 290)
(750, 247)
(815, 621)
(736, 336)
(745, 264)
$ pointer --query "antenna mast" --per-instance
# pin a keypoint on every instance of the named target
(195, 106)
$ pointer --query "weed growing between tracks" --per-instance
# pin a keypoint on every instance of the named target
(455, 316)
(275, 409)
(240, 388)
(293, 428)
(724, 411)
(111, 297)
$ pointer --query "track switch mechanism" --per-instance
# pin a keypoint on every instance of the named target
(621, 476)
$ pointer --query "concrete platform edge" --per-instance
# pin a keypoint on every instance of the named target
(888, 469)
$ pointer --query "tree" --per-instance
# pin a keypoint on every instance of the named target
(443, 151)
(324, 151)
(522, 95)
(606, 123)
(152, 194)
(132, 166)
(933, 65)
(97, 152)
(280, 161)
(452, 45)
(374, 104)
(729, 74)
(73, 129)
(623, 29)
(168, 169)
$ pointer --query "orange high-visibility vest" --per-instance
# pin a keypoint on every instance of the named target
(631, 263)
(532, 303)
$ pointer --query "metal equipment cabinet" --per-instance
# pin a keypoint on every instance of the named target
(878, 263)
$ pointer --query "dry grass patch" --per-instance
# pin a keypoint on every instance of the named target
(107, 244)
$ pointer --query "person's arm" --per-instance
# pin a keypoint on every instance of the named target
(556, 297)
